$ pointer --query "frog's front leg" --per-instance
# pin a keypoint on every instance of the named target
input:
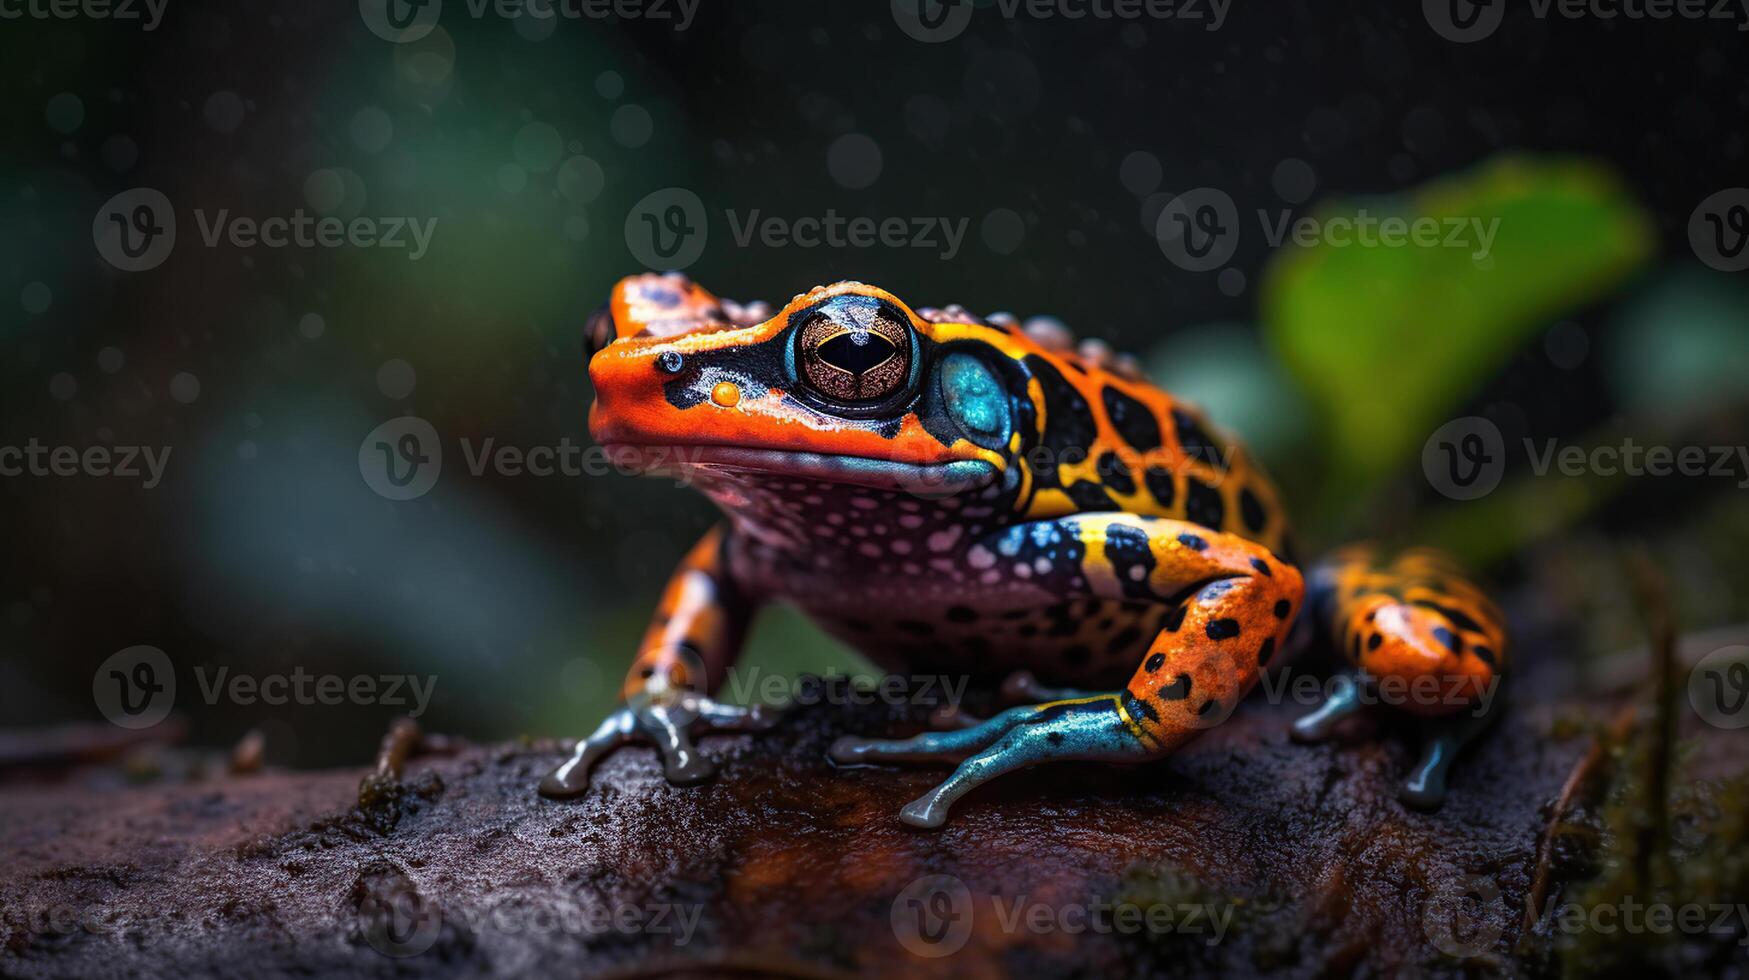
(696, 634)
(1231, 606)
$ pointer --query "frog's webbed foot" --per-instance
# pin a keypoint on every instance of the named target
(1093, 728)
(1442, 738)
(668, 723)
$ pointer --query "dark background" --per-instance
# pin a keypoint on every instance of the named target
(264, 549)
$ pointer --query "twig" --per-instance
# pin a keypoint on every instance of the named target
(1576, 783)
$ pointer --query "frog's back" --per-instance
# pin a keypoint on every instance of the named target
(1103, 437)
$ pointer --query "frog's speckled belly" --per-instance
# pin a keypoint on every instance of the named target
(1091, 643)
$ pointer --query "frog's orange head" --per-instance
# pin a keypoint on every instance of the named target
(845, 384)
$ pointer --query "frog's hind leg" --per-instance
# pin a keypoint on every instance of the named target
(941, 746)
(1422, 637)
(1229, 605)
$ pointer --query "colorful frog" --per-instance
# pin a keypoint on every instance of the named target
(975, 496)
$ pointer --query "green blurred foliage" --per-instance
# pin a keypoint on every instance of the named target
(1389, 340)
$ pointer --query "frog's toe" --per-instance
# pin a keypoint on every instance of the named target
(1093, 729)
(1344, 700)
(937, 746)
(571, 778)
(924, 812)
(735, 718)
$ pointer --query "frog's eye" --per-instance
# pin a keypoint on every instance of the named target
(854, 353)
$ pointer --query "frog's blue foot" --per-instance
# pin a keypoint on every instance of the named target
(1344, 700)
(668, 723)
(1442, 740)
(1089, 729)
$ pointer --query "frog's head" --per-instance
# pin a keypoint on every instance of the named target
(845, 384)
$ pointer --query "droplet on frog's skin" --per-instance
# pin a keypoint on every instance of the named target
(726, 394)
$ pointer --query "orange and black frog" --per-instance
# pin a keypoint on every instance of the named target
(982, 498)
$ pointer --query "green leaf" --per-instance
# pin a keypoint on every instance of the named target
(1390, 339)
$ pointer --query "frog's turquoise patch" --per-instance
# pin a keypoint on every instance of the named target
(975, 399)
